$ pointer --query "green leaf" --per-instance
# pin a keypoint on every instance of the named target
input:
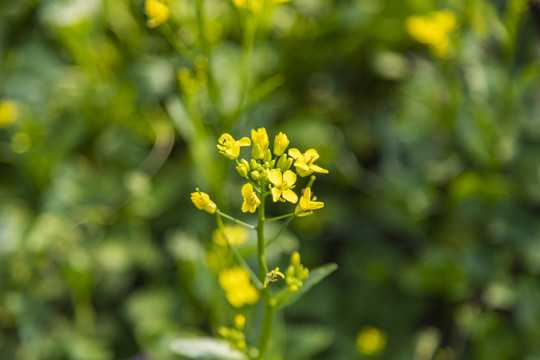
(206, 348)
(315, 276)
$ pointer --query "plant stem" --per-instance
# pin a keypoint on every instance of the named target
(235, 220)
(280, 230)
(279, 217)
(269, 306)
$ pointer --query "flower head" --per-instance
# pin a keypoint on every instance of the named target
(157, 13)
(260, 143)
(251, 201)
(280, 144)
(283, 183)
(230, 147)
(238, 289)
(433, 30)
(305, 162)
(306, 206)
(202, 202)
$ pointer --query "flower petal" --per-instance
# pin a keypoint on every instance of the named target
(289, 177)
(275, 194)
(296, 154)
(290, 196)
(319, 169)
(311, 155)
(275, 176)
(245, 141)
(247, 190)
(245, 206)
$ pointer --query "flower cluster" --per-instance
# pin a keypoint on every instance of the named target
(433, 30)
(296, 273)
(272, 169)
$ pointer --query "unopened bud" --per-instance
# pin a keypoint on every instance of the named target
(280, 144)
(256, 152)
(267, 156)
(242, 170)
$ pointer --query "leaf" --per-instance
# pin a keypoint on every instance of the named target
(206, 348)
(315, 276)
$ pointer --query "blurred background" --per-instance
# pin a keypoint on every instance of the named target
(426, 113)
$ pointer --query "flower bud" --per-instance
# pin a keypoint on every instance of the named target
(286, 165)
(242, 170)
(256, 152)
(295, 258)
(280, 144)
(267, 156)
(253, 164)
(255, 175)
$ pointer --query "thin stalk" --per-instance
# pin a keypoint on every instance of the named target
(279, 217)
(176, 43)
(236, 220)
(283, 226)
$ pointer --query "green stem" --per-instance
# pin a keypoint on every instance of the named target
(269, 304)
(176, 43)
(280, 230)
(236, 220)
(279, 217)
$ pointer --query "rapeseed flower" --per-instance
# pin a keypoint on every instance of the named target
(230, 147)
(157, 13)
(305, 162)
(280, 144)
(260, 143)
(251, 201)
(203, 202)
(433, 30)
(238, 289)
(283, 183)
(306, 206)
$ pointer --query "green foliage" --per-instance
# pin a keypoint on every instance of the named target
(431, 202)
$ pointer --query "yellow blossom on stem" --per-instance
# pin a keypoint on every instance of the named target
(280, 144)
(260, 143)
(251, 201)
(238, 289)
(202, 202)
(305, 162)
(283, 183)
(157, 13)
(230, 147)
(306, 206)
(272, 276)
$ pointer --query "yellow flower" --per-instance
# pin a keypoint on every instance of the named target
(202, 202)
(251, 201)
(306, 206)
(370, 340)
(238, 289)
(253, 5)
(9, 112)
(157, 13)
(234, 235)
(283, 183)
(280, 144)
(433, 30)
(272, 276)
(304, 162)
(230, 147)
(260, 143)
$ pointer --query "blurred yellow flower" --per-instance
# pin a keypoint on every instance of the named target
(433, 30)
(283, 183)
(252, 5)
(260, 143)
(157, 13)
(202, 201)
(306, 206)
(280, 144)
(230, 147)
(304, 162)
(234, 235)
(9, 112)
(251, 201)
(238, 289)
(370, 341)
